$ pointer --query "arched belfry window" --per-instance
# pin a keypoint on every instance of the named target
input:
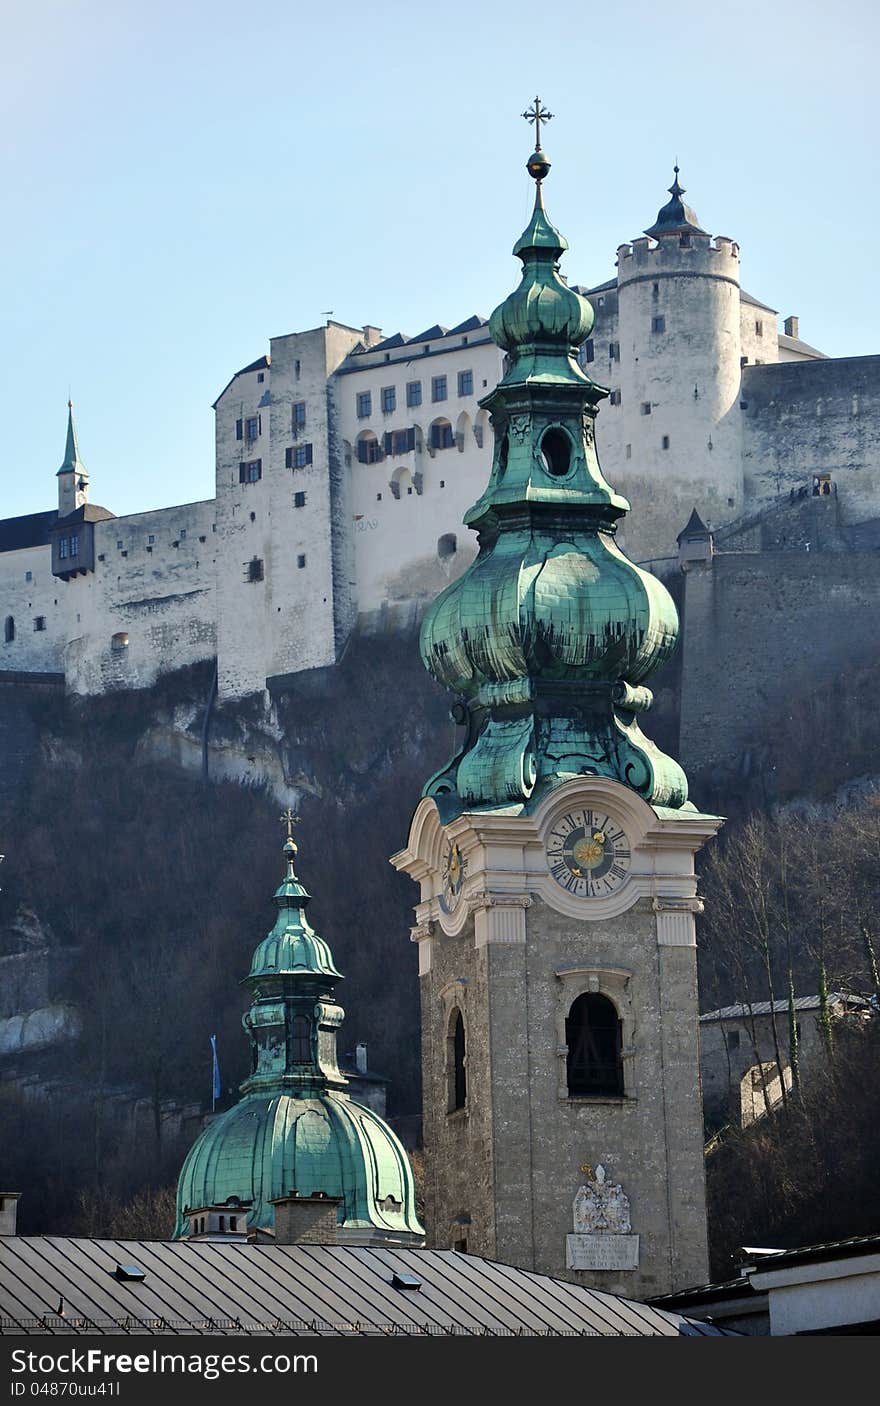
(301, 1040)
(456, 1061)
(9, 630)
(592, 1034)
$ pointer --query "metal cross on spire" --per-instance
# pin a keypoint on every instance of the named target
(288, 818)
(537, 114)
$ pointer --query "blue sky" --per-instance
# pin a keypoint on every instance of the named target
(183, 181)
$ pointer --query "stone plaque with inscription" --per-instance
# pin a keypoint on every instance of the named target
(602, 1236)
(602, 1251)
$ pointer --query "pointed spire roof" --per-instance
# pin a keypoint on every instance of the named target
(694, 527)
(675, 217)
(72, 462)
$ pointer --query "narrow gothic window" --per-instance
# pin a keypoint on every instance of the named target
(301, 1040)
(9, 630)
(592, 1034)
(456, 1062)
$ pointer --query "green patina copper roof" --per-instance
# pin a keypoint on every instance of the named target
(292, 945)
(72, 462)
(550, 634)
(296, 1129)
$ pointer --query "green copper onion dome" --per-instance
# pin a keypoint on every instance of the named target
(295, 1128)
(550, 634)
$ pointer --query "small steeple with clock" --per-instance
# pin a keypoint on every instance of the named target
(555, 853)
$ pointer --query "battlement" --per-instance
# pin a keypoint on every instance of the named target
(688, 253)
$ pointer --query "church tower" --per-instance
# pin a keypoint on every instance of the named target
(555, 854)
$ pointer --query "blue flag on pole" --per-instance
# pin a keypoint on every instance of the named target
(216, 1085)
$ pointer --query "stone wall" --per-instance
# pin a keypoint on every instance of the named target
(761, 628)
(806, 417)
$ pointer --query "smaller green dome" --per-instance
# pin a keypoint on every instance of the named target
(296, 1130)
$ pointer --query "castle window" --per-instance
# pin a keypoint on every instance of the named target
(9, 629)
(438, 388)
(378, 497)
(119, 640)
(629, 451)
(233, 1222)
(255, 569)
(614, 351)
(28, 576)
(74, 544)
(250, 471)
(299, 500)
(733, 1040)
(600, 302)
(655, 290)
(239, 429)
(302, 456)
(251, 428)
(443, 483)
(465, 382)
(151, 539)
(400, 441)
(222, 1224)
(646, 407)
(298, 415)
(759, 329)
(456, 1061)
(261, 376)
(658, 324)
(63, 546)
(301, 1040)
(413, 392)
(119, 543)
(684, 241)
(297, 367)
(447, 545)
(592, 1034)
(301, 560)
(389, 399)
(442, 434)
(39, 622)
(556, 453)
(614, 398)
(364, 405)
(588, 351)
(665, 441)
(369, 451)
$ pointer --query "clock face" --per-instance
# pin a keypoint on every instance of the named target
(454, 870)
(588, 853)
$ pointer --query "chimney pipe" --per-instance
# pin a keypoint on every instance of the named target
(8, 1211)
(791, 327)
(305, 1220)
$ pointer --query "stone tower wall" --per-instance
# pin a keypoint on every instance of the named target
(689, 376)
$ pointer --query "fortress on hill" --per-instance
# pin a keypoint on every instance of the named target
(346, 460)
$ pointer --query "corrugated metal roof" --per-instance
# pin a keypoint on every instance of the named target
(802, 1003)
(332, 1290)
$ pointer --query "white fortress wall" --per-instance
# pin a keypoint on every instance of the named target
(148, 607)
(408, 504)
(29, 593)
